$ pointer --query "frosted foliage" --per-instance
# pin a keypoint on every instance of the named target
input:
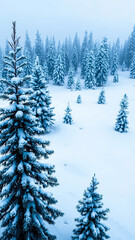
(90, 223)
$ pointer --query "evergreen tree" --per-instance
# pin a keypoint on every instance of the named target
(40, 100)
(90, 224)
(90, 71)
(28, 67)
(75, 58)
(70, 82)
(58, 74)
(114, 62)
(79, 100)
(28, 50)
(132, 68)
(63, 58)
(46, 48)
(25, 205)
(90, 42)
(51, 58)
(102, 64)
(101, 99)
(123, 68)
(39, 49)
(121, 124)
(84, 46)
(130, 49)
(45, 71)
(76, 45)
(68, 117)
(84, 63)
(116, 77)
(67, 56)
(78, 84)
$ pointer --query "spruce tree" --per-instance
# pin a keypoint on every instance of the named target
(51, 57)
(84, 63)
(25, 206)
(114, 62)
(90, 71)
(39, 49)
(68, 117)
(75, 58)
(116, 78)
(79, 100)
(58, 74)
(78, 84)
(101, 99)
(28, 67)
(102, 64)
(130, 49)
(40, 100)
(132, 68)
(70, 82)
(121, 124)
(90, 224)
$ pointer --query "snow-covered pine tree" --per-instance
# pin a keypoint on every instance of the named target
(28, 48)
(79, 100)
(90, 224)
(102, 64)
(116, 77)
(101, 99)
(130, 49)
(40, 100)
(68, 117)
(132, 68)
(58, 74)
(84, 63)
(51, 58)
(63, 57)
(78, 84)
(114, 62)
(121, 124)
(28, 67)
(70, 82)
(90, 71)
(123, 68)
(75, 58)
(45, 71)
(84, 45)
(25, 206)
(39, 49)
(67, 56)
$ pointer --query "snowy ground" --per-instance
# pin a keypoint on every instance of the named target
(91, 146)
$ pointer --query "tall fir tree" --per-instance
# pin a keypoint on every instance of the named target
(39, 49)
(78, 84)
(84, 46)
(90, 224)
(130, 49)
(40, 100)
(25, 206)
(84, 63)
(67, 56)
(70, 82)
(90, 71)
(51, 57)
(58, 74)
(132, 68)
(75, 59)
(28, 48)
(115, 62)
(102, 64)
(121, 124)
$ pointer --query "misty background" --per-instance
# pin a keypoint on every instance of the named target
(61, 18)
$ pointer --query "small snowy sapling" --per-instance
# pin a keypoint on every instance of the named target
(79, 100)
(101, 99)
(90, 224)
(68, 118)
(121, 124)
